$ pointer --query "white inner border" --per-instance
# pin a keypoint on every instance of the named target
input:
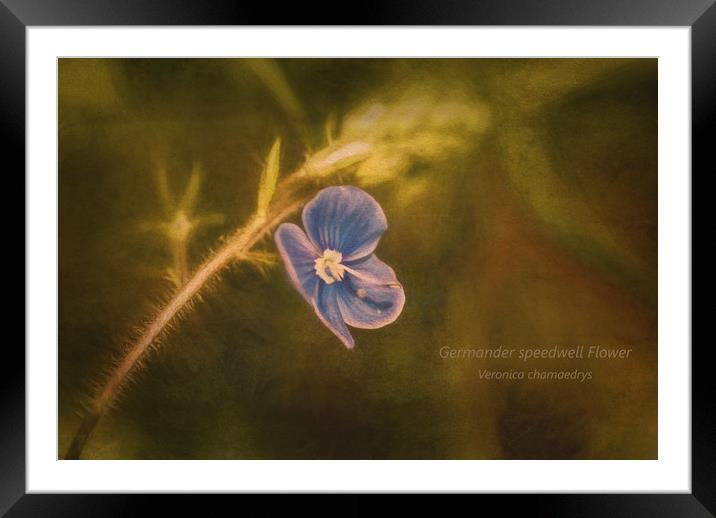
(670, 473)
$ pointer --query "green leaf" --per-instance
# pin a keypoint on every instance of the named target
(271, 74)
(269, 178)
(191, 192)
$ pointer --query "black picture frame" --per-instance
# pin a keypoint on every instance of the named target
(700, 15)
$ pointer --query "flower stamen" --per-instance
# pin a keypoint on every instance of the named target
(328, 267)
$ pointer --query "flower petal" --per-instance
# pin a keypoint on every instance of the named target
(298, 255)
(345, 219)
(372, 296)
(328, 311)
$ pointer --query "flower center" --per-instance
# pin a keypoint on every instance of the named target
(328, 267)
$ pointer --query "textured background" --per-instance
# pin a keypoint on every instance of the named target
(536, 227)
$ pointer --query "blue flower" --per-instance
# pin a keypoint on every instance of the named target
(334, 266)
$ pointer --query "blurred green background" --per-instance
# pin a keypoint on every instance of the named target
(521, 197)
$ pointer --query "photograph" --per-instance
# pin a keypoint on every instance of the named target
(357, 258)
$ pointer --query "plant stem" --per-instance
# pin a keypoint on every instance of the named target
(242, 241)
(181, 262)
(293, 195)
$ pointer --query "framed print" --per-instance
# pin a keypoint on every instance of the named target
(362, 259)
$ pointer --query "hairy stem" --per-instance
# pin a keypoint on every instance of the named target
(240, 243)
(293, 195)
